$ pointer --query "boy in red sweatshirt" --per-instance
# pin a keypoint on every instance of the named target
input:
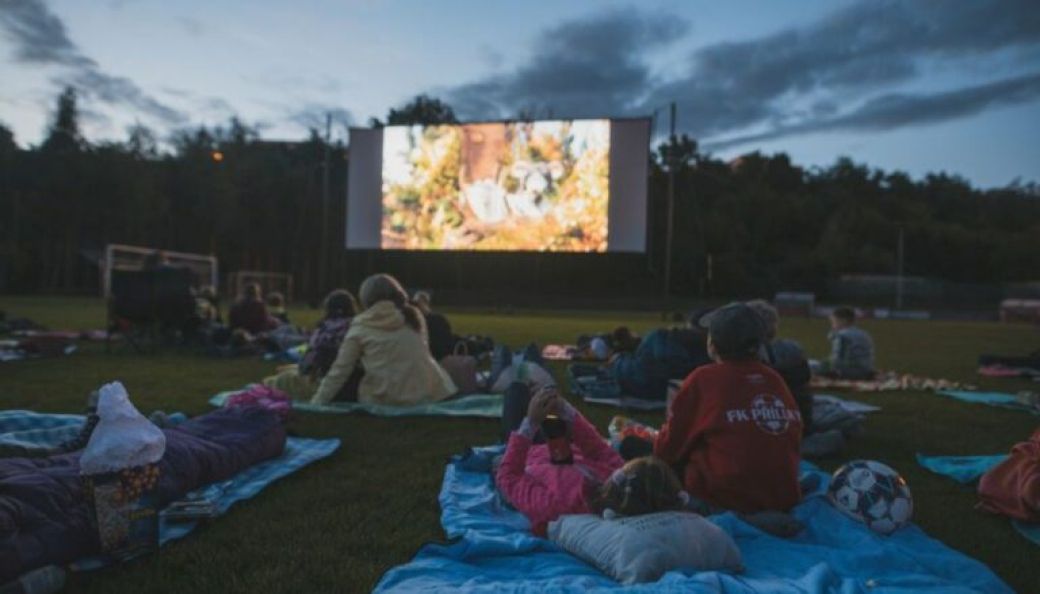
(734, 427)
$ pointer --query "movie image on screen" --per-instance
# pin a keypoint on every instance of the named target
(533, 186)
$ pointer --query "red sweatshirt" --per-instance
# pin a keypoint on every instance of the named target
(737, 429)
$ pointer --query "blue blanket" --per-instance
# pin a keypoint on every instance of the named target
(967, 469)
(496, 552)
(474, 405)
(997, 399)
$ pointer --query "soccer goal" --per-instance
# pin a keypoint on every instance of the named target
(129, 257)
(270, 282)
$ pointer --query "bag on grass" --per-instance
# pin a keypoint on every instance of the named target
(264, 397)
(640, 549)
(1012, 488)
(463, 369)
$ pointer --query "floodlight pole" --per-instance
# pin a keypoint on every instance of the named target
(899, 270)
(324, 260)
(672, 162)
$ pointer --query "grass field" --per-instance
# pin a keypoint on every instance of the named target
(341, 523)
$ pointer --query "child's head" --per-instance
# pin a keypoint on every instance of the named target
(842, 317)
(276, 300)
(422, 300)
(208, 293)
(251, 292)
(735, 332)
(340, 304)
(642, 486)
(770, 317)
(622, 339)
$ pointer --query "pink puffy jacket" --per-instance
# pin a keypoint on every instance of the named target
(544, 491)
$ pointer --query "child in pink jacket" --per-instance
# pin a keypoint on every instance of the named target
(544, 491)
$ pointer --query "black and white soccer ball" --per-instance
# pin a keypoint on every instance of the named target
(872, 493)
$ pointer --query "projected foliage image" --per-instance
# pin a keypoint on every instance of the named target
(538, 186)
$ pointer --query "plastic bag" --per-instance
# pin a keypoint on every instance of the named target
(123, 437)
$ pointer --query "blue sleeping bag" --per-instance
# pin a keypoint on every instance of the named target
(661, 356)
(43, 512)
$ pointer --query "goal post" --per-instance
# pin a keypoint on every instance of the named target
(130, 257)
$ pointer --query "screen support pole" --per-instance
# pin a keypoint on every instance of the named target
(672, 161)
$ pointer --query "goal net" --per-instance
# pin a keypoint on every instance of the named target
(128, 257)
(270, 282)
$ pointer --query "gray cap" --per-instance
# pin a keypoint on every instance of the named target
(735, 329)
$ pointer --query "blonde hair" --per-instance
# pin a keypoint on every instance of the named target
(383, 287)
(642, 486)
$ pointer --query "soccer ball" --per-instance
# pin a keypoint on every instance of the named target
(872, 493)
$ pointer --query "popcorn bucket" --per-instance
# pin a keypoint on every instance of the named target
(124, 510)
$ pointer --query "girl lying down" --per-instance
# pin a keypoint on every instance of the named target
(548, 471)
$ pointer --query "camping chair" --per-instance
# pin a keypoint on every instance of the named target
(148, 307)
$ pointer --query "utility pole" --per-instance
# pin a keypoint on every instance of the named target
(324, 260)
(899, 270)
(673, 160)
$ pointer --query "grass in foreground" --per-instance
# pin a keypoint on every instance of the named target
(341, 523)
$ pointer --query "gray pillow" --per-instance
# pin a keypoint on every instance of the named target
(641, 549)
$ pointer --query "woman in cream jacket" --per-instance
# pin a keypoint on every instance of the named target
(388, 341)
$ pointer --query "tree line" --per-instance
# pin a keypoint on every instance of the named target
(750, 226)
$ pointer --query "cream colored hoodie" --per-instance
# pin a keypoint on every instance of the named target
(399, 370)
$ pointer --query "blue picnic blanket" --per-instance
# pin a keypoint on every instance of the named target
(997, 399)
(495, 551)
(474, 405)
(33, 429)
(967, 469)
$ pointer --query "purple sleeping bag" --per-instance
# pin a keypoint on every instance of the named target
(43, 513)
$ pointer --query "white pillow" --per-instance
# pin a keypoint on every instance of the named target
(641, 549)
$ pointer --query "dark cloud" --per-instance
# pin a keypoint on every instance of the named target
(896, 110)
(586, 67)
(867, 46)
(844, 70)
(40, 39)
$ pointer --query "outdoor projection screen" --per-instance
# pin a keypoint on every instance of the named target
(559, 186)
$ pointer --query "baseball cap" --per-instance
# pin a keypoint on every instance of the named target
(736, 330)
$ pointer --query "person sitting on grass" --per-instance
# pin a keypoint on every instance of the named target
(734, 426)
(662, 355)
(250, 314)
(787, 358)
(852, 348)
(301, 380)
(388, 340)
(442, 341)
(595, 479)
(276, 307)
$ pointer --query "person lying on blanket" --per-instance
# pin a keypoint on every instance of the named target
(594, 480)
(662, 355)
(388, 339)
(852, 349)
(734, 427)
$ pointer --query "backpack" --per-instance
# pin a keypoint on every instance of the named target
(1012, 488)
(324, 347)
(463, 370)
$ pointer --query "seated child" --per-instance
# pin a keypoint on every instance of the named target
(300, 381)
(787, 358)
(734, 426)
(276, 307)
(596, 479)
(852, 349)
(250, 314)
